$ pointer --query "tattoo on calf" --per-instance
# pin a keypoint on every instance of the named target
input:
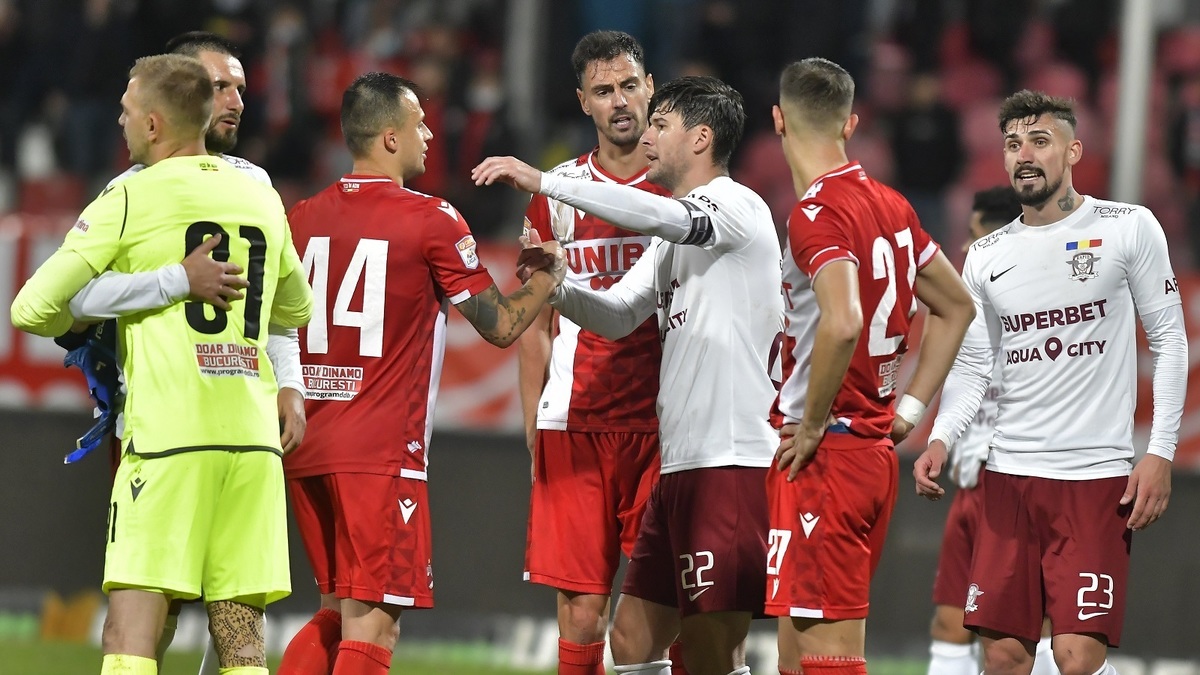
(237, 631)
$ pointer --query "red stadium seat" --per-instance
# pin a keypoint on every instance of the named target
(51, 195)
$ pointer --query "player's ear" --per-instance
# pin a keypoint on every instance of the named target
(153, 125)
(650, 83)
(777, 115)
(849, 127)
(703, 140)
(1074, 152)
(390, 142)
(582, 106)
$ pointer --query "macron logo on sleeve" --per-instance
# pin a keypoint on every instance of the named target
(811, 211)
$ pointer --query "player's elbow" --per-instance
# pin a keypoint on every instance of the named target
(26, 317)
(843, 327)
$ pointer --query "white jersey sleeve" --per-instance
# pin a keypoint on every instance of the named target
(719, 223)
(283, 350)
(967, 383)
(1151, 278)
(616, 312)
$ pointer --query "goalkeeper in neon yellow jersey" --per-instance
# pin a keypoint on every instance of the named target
(198, 501)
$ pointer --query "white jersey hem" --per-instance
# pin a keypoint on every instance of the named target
(718, 462)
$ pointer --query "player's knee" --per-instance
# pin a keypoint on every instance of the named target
(584, 620)
(629, 646)
(1007, 657)
(1077, 661)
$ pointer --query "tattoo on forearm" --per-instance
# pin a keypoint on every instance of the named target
(484, 310)
(1067, 201)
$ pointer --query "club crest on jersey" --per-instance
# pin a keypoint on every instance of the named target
(1083, 265)
(466, 251)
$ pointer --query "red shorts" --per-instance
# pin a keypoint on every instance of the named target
(703, 541)
(1067, 537)
(589, 492)
(958, 540)
(827, 532)
(367, 536)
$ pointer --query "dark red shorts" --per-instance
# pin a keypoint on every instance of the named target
(827, 532)
(585, 508)
(703, 542)
(1066, 537)
(958, 540)
(367, 536)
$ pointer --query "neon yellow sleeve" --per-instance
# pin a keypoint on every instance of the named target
(97, 234)
(293, 297)
(43, 305)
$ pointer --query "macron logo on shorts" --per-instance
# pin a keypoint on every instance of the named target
(407, 506)
(809, 522)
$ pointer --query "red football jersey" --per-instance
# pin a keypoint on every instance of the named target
(597, 384)
(385, 263)
(846, 215)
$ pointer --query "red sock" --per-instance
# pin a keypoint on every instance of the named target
(362, 658)
(313, 649)
(833, 665)
(577, 659)
(675, 653)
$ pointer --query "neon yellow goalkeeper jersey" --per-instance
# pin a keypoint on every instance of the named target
(197, 376)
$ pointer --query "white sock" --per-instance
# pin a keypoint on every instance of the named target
(949, 658)
(662, 667)
(210, 665)
(1043, 659)
(744, 670)
(1105, 669)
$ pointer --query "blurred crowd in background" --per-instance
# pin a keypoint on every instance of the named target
(930, 75)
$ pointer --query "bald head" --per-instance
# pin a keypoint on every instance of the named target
(818, 93)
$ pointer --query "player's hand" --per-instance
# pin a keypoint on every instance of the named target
(1149, 489)
(507, 170)
(927, 470)
(292, 422)
(538, 255)
(797, 445)
(210, 280)
(901, 428)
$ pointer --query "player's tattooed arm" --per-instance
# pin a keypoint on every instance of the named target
(1067, 201)
(500, 320)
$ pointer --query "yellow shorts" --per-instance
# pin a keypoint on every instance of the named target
(208, 522)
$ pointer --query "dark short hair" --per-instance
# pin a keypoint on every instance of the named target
(823, 90)
(193, 42)
(370, 103)
(605, 45)
(1030, 105)
(997, 206)
(708, 101)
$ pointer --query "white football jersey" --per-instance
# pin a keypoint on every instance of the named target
(1060, 303)
(975, 442)
(253, 170)
(720, 317)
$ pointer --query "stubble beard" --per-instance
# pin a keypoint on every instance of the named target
(217, 142)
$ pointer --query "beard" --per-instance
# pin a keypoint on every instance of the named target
(663, 176)
(218, 141)
(1030, 196)
(624, 139)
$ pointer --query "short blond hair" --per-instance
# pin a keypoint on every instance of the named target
(178, 87)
